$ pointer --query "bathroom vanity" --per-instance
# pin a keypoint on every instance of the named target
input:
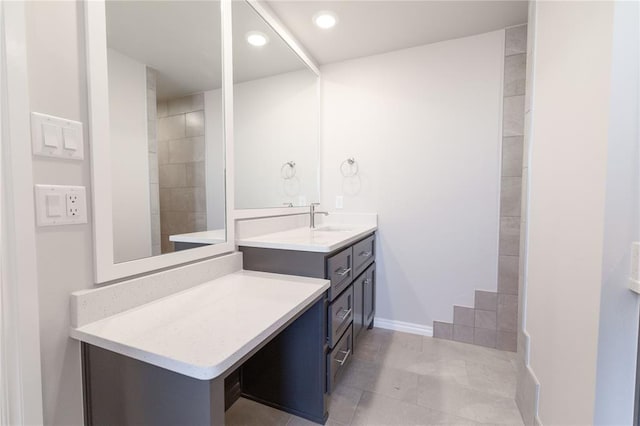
(168, 361)
(345, 255)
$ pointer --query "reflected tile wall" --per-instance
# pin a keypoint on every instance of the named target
(152, 137)
(181, 156)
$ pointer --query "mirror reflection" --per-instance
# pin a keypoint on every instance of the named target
(165, 106)
(275, 116)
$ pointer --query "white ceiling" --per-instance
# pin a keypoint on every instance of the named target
(181, 38)
(181, 41)
(371, 27)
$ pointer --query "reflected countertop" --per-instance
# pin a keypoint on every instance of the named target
(215, 236)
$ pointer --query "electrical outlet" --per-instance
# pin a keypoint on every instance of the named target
(60, 205)
(72, 204)
(339, 201)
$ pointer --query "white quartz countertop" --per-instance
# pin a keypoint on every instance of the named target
(203, 331)
(323, 239)
(215, 236)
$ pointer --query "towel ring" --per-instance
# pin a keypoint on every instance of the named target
(288, 170)
(349, 167)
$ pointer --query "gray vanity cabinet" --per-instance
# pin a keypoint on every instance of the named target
(350, 301)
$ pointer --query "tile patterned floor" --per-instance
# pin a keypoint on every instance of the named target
(404, 379)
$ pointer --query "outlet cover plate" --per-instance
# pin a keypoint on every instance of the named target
(60, 205)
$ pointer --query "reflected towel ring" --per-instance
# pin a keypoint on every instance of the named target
(349, 167)
(288, 170)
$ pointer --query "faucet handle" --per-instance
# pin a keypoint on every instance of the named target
(314, 204)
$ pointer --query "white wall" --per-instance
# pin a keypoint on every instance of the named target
(568, 172)
(57, 86)
(618, 333)
(424, 126)
(130, 157)
(214, 159)
(276, 120)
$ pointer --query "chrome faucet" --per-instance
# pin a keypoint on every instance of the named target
(313, 213)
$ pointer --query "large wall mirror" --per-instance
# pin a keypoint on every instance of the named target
(165, 108)
(157, 114)
(276, 117)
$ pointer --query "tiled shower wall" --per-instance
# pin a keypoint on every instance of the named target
(493, 320)
(181, 157)
(154, 187)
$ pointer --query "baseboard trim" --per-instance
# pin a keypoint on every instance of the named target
(405, 327)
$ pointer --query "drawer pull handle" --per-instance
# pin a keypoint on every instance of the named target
(366, 281)
(346, 356)
(345, 313)
(365, 254)
(343, 272)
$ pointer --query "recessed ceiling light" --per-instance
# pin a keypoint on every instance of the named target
(325, 19)
(256, 38)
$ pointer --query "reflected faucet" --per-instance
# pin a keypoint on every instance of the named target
(313, 213)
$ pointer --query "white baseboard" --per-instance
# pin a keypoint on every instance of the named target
(405, 327)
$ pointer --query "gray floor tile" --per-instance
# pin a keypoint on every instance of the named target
(246, 412)
(380, 410)
(404, 379)
(462, 401)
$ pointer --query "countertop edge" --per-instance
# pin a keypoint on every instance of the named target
(250, 242)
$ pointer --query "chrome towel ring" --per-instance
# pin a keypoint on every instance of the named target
(349, 167)
(288, 170)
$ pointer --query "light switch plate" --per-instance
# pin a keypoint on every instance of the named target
(56, 137)
(60, 205)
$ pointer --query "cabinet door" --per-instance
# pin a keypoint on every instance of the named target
(369, 295)
(358, 305)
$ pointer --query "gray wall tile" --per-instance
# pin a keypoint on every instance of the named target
(187, 150)
(512, 152)
(508, 271)
(510, 196)
(509, 236)
(172, 127)
(463, 316)
(196, 174)
(507, 312)
(515, 70)
(462, 333)
(506, 341)
(195, 123)
(186, 104)
(162, 109)
(442, 330)
(173, 175)
(486, 300)
(516, 40)
(484, 337)
(513, 116)
(485, 319)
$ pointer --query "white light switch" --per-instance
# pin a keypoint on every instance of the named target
(56, 137)
(54, 204)
(60, 205)
(51, 135)
(71, 137)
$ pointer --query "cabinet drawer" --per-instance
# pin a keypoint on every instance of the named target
(363, 254)
(339, 315)
(338, 358)
(340, 272)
